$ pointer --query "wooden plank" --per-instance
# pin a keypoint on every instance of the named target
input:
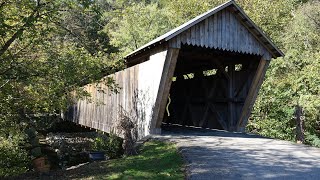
(183, 38)
(219, 30)
(232, 32)
(178, 43)
(251, 43)
(166, 80)
(227, 32)
(202, 34)
(210, 32)
(215, 31)
(198, 39)
(237, 36)
(253, 93)
(206, 33)
(242, 40)
(223, 32)
(173, 42)
(193, 35)
(188, 36)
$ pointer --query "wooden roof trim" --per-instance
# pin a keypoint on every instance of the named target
(262, 37)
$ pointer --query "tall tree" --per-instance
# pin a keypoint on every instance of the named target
(293, 80)
(48, 50)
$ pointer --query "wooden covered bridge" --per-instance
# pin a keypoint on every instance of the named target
(211, 67)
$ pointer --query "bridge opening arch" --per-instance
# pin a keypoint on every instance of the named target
(209, 88)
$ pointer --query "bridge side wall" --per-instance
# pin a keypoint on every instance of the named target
(138, 91)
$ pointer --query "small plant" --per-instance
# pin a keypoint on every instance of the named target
(100, 144)
(13, 159)
(115, 149)
(313, 140)
(111, 145)
(126, 125)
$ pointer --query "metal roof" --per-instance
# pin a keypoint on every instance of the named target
(253, 28)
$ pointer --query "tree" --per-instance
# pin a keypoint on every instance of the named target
(43, 61)
(136, 24)
(293, 80)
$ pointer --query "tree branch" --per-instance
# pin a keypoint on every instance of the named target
(4, 83)
(34, 16)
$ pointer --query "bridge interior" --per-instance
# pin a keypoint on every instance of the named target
(210, 87)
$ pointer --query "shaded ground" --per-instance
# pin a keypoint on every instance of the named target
(157, 160)
(212, 154)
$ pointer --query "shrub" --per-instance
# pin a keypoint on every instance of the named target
(312, 140)
(111, 145)
(13, 159)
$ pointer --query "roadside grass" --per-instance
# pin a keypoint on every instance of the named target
(156, 160)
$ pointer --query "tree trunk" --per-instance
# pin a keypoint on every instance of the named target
(299, 124)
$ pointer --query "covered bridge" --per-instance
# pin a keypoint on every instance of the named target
(211, 67)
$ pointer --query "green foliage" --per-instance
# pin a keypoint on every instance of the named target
(313, 140)
(136, 24)
(48, 51)
(293, 80)
(271, 15)
(111, 145)
(13, 159)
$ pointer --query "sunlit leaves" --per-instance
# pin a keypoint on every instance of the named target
(293, 80)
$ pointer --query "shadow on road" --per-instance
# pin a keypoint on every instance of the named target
(215, 154)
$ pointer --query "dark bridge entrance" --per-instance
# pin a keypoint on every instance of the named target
(210, 87)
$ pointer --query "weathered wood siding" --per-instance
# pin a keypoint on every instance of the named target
(139, 86)
(223, 31)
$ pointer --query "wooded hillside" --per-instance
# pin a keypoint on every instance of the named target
(50, 49)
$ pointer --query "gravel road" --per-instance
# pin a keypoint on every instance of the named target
(212, 154)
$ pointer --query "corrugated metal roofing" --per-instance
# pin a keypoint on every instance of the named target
(253, 28)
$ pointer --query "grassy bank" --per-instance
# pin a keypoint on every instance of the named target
(156, 160)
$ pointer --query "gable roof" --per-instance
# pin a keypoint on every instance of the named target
(249, 24)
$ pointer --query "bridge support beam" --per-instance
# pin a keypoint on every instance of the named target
(164, 88)
(252, 95)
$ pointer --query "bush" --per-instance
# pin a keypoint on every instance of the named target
(111, 145)
(13, 159)
(312, 140)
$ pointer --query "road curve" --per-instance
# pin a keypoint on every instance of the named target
(213, 154)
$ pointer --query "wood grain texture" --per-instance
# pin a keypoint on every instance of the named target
(139, 86)
(165, 85)
(223, 31)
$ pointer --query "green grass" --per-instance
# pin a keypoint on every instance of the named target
(156, 160)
